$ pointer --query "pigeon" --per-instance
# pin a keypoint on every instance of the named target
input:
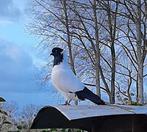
(66, 82)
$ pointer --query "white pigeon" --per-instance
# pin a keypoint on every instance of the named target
(67, 83)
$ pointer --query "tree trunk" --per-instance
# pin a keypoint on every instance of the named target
(69, 39)
(112, 28)
(97, 55)
(139, 55)
(112, 100)
(68, 36)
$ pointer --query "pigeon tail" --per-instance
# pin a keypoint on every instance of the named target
(87, 94)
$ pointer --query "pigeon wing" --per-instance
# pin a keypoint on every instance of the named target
(65, 80)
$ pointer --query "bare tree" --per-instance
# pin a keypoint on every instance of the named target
(26, 116)
(99, 36)
(85, 28)
(135, 32)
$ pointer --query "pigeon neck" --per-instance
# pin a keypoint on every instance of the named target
(59, 59)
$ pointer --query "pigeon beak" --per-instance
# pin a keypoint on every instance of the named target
(51, 54)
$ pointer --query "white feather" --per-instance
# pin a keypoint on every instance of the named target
(64, 80)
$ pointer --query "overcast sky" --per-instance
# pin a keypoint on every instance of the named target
(20, 59)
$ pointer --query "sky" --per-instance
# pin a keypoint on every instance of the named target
(21, 61)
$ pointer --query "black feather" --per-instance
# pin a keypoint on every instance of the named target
(87, 94)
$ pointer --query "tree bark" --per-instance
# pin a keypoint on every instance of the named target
(97, 55)
(112, 29)
(69, 43)
(112, 100)
(68, 36)
(139, 55)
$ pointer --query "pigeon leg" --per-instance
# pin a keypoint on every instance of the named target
(67, 102)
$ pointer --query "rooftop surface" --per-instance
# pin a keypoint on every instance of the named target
(93, 118)
(85, 111)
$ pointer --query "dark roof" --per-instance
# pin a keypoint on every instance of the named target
(113, 118)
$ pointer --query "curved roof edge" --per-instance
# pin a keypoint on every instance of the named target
(86, 111)
(81, 116)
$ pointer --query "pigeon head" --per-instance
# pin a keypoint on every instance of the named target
(58, 55)
(57, 51)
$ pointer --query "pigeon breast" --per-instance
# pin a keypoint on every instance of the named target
(64, 79)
